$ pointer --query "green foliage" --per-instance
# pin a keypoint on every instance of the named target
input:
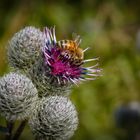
(109, 28)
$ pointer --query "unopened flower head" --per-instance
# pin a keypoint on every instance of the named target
(24, 48)
(65, 59)
(54, 118)
(17, 96)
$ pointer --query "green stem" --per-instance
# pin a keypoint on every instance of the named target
(4, 130)
(19, 130)
(10, 125)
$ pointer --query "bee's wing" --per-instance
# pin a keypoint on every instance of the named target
(76, 38)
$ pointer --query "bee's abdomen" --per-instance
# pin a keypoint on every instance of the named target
(66, 44)
(62, 44)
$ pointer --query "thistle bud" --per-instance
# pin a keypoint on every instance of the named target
(54, 118)
(24, 48)
(17, 96)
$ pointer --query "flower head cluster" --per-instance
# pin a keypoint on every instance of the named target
(50, 68)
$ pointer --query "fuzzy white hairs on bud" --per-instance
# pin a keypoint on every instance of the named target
(24, 48)
(54, 118)
(17, 96)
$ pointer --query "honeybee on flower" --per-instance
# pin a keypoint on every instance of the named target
(71, 49)
(66, 59)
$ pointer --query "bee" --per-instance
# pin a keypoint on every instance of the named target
(71, 49)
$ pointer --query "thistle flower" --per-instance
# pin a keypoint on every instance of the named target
(61, 65)
(45, 83)
(54, 118)
(17, 96)
(24, 48)
(65, 60)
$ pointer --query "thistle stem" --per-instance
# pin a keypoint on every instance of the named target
(19, 130)
(4, 130)
(10, 125)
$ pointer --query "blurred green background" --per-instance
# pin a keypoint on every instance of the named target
(110, 28)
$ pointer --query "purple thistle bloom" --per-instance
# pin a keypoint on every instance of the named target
(64, 67)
